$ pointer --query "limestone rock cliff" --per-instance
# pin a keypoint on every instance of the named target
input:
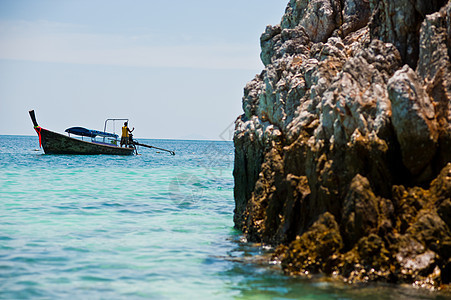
(343, 153)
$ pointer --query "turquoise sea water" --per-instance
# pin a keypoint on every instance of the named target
(152, 226)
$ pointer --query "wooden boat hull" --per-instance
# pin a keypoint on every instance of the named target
(56, 143)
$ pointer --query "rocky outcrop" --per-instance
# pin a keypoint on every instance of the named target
(343, 153)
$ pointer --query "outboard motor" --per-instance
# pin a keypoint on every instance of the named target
(131, 143)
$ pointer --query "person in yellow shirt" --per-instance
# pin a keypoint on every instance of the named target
(125, 134)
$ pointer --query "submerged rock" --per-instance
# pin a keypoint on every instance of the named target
(343, 153)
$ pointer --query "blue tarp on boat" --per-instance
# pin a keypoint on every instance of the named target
(89, 132)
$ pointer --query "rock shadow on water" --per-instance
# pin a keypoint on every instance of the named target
(254, 274)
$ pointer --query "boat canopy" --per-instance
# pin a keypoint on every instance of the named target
(89, 132)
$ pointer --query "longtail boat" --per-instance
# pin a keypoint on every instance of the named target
(98, 142)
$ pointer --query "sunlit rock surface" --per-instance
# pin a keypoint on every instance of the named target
(343, 152)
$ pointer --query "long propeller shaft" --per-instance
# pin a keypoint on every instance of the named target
(148, 146)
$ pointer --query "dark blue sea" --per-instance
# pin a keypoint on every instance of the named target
(151, 226)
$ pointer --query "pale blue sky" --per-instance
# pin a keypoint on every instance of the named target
(175, 68)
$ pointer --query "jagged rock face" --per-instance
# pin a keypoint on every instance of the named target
(319, 17)
(413, 116)
(399, 21)
(342, 155)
